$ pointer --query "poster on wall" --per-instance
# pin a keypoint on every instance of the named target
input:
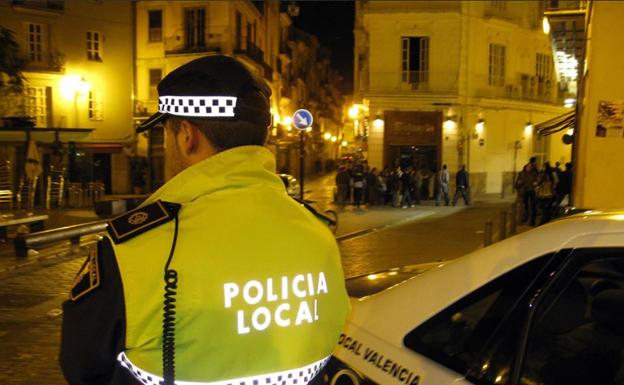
(610, 121)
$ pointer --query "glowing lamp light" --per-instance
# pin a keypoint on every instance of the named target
(570, 132)
(569, 102)
(309, 129)
(345, 143)
(276, 119)
(480, 127)
(528, 129)
(287, 121)
(449, 124)
(334, 138)
(378, 123)
(73, 85)
(354, 111)
(545, 25)
(327, 136)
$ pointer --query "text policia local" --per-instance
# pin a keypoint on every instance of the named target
(293, 295)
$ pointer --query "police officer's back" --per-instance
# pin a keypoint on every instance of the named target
(219, 277)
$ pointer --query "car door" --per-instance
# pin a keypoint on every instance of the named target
(574, 333)
(570, 331)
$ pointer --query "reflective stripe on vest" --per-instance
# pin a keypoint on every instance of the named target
(298, 376)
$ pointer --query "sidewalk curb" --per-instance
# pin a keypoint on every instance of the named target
(359, 233)
(33, 261)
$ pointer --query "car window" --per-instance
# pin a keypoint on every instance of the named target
(456, 336)
(578, 335)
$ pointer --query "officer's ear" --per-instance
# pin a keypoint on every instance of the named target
(193, 144)
(188, 138)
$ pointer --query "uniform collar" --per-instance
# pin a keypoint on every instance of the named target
(237, 167)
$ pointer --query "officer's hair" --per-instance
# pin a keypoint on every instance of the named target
(226, 134)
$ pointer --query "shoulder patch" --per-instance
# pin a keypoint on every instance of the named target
(88, 278)
(140, 220)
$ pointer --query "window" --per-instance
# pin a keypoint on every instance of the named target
(578, 335)
(239, 30)
(497, 65)
(498, 5)
(248, 34)
(94, 46)
(95, 105)
(543, 67)
(155, 26)
(456, 336)
(195, 27)
(415, 59)
(155, 74)
(37, 105)
(35, 42)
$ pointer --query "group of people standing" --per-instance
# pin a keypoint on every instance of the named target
(397, 186)
(542, 190)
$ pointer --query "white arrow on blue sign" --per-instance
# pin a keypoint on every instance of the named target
(302, 119)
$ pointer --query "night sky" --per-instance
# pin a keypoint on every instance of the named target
(332, 22)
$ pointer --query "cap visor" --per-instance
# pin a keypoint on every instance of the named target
(151, 122)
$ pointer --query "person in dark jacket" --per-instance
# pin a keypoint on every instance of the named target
(530, 176)
(461, 186)
(342, 186)
(564, 187)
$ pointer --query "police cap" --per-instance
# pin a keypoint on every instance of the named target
(211, 87)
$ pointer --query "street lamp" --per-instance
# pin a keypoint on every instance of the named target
(327, 136)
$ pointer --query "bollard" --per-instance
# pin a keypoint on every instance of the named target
(502, 234)
(487, 234)
(513, 222)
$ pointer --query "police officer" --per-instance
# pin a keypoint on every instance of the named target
(219, 277)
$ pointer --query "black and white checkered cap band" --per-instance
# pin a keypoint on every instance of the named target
(198, 106)
(298, 376)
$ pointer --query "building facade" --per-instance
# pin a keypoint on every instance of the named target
(296, 67)
(172, 33)
(457, 82)
(77, 91)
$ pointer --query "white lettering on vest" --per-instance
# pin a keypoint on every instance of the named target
(304, 313)
(230, 290)
(322, 284)
(255, 307)
(242, 329)
(284, 288)
(278, 315)
(271, 296)
(248, 296)
(295, 286)
(256, 323)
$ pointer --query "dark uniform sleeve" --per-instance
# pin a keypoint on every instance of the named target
(93, 329)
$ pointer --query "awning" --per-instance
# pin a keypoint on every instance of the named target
(560, 123)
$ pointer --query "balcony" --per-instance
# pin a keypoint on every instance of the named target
(252, 51)
(527, 88)
(56, 6)
(177, 44)
(52, 62)
(410, 82)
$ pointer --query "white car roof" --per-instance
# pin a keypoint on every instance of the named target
(394, 312)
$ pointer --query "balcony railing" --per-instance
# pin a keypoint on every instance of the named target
(252, 51)
(429, 82)
(524, 89)
(177, 44)
(52, 62)
(41, 5)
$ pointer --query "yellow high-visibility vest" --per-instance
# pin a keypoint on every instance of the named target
(261, 290)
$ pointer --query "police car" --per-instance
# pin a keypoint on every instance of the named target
(543, 307)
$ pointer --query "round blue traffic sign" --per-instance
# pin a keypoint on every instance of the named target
(302, 119)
